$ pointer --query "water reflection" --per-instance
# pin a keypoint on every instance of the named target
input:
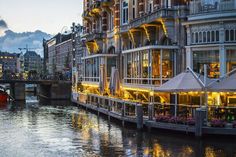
(55, 129)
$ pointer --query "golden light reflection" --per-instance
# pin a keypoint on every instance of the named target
(158, 151)
(84, 124)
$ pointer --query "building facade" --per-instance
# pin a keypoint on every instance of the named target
(8, 62)
(144, 40)
(172, 58)
(211, 36)
(33, 62)
(62, 51)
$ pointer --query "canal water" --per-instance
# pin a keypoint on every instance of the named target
(52, 129)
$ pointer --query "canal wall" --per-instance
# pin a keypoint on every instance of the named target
(141, 121)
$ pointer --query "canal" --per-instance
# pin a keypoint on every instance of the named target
(35, 129)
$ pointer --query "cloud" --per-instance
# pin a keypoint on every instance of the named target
(11, 41)
(3, 24)
(3, 27)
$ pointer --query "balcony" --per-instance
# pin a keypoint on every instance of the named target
(93, 36)
(196, 7)
(106, 3)
(148, 18)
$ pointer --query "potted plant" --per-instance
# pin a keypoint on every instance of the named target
(162, 118)
(217, 123)
(190, 121)
(181, 120)
(173, 120)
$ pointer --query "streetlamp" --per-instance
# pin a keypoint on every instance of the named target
(75, 29)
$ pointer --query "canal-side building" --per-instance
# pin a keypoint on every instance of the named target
(170, 58)
(143, 40)
(33, 62)
(8, 62)
(211, 36)
(61, 50)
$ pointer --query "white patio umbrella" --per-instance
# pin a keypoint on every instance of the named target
(184, 82)
(225, 84)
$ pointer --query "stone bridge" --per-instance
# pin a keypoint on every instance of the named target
(49, 89)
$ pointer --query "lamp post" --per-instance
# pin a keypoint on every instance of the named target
(75, 29)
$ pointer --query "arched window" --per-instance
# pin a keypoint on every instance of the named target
(196, 37)
(200, 37)
(227, 35)
(217, 36)
(232, 37)
(150, 6)
(204, 37)
(193, 37)
(235, 35)
(212, 36)
(208, 36)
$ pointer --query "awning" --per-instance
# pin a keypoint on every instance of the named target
(226, 84)
(184, 82)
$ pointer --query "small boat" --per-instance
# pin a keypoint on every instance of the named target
(3, 95)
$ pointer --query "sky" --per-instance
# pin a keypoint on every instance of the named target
(49, 16)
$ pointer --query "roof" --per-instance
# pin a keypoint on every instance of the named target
(31, 53)
(225, 84)
(184, 82)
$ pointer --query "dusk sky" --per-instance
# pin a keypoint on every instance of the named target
(46, 15)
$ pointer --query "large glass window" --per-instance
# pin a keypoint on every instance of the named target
(156, 61)
(135, 64)
(167, 64)
(231, 60)
(125, 12)
(129, 65)
(211, 58)
(145, 64)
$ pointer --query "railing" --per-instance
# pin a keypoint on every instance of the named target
(38, 78)
(196, 7)
(91, 79)
(149, 17)
(168, 109)
(94, 35)
(146, 81)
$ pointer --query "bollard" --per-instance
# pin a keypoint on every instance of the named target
(123, 114)
(150, 111)
(200, 115)
(109, 109)
(139, 116)
(98, 108)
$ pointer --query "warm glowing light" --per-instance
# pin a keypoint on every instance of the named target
(131, 36)
(151, 93)
(136, 89)
(164, 27)
(90, 85)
